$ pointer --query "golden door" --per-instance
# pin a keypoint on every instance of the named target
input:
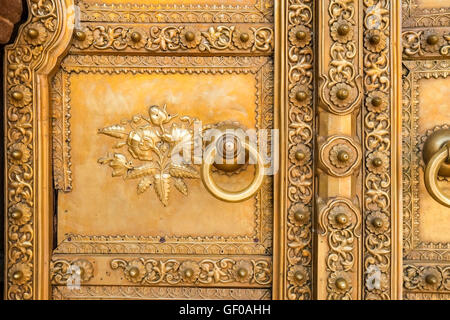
(119, 115)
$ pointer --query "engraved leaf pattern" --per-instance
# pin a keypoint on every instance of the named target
(144, 184)
(162, 187)
(181, 186)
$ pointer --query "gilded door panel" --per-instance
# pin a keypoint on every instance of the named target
(426, 221)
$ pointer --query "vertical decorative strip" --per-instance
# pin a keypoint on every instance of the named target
(378, 142)
(300, 133)
(338, 240)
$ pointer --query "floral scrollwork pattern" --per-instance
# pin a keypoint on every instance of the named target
(21, 60)
(204, 272)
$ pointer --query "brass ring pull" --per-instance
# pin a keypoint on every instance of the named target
(431, 174)
(230, 196)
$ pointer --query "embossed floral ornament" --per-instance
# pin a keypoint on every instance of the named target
(83, 38)
(431, 278)
(339, 217)
(375, 40)
(339, 286)
(298, 275)
(432, 41)
(342, 31)
(135, 271)
(341, 155)
(300, 154)
(377, 101)
(19, 95)
(154, 144)
(243, 39)
(300, 36)
(341, 94)
(20, 273)
(300, 96)
(377, 162)
(190, 271)
(243, 271)
(85, 268)
(20, 214)
(19, 153)
(190, 38)
(377, 222)
(35, 34)
(136, 39)
(300, 214)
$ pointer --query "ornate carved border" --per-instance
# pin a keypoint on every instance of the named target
(132, 292)
(414, 16)
(430, 43)
(298, 217)
(28, 62)
(258, 243)
(260, 12)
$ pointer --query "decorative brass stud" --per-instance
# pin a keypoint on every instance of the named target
(33, 33)
(299, 216)
(375, 39)
(134, 272)
(341, 284)
(343, 29)
(136, 36)
(17, 275)
(80, 35)
(16, 214)
(377, 222)
(377, 162)
(343, 156)
(244, 37)
(431, 279)
(190, 36)
(17, 95)
(242, 272)
(299, 156)
(300, 35)
(433, 39)
(377, 101)
(301, 96)
(341, 218)
(188, 273)
(342, 94)
(299, 276)
(16, 154)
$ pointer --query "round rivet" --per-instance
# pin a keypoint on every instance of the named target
(80, 35)
(17, 275)
(136, 36)
(17, 95)
(242, 272)
(341, 218)
(188, 273)
(375, 39)
(377, 101)
(300, 35)
(343, 156)
(342, 94)
(190, 36)
(431, 279)
(377, 162)
(300, 156)
(299, 276)
(16, 154)
(299, 216)
(432, 39)
(134, 272)
(343, 29)
(244, 37)
(377, 222)
(33, 33)
(301, 96)
(341, 284)
(16, 214)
